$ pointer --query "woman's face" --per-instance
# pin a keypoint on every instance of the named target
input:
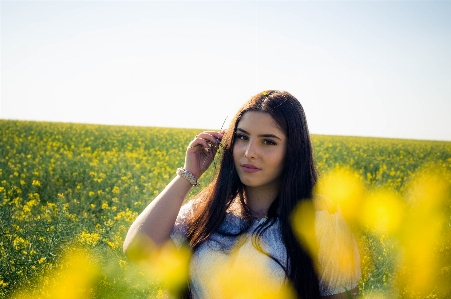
(259, 150)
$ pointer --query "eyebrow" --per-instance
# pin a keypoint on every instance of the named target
(261, 135)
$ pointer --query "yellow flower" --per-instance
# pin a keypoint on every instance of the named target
(345, 188)
(89, 239)
(169, 265)
(247, 276)
(19, 243)
(36, 183)
(382, 211)
(74, 279)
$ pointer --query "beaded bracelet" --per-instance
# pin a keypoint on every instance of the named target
(188, 176)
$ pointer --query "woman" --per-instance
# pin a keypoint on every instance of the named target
(266, 170)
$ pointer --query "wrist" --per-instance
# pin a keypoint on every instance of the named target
(187, 175)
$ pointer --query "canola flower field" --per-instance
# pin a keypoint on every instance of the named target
(68, 193)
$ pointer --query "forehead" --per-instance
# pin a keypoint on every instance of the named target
(259, 122)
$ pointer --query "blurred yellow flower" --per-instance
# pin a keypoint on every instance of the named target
(74, 279)
(36, 183)
(246, 276)
(345, 188)
(303, 221)
(166, 265)
(429, 195)
(116, 190)
(382, 211)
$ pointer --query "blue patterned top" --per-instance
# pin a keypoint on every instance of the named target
(338, 256)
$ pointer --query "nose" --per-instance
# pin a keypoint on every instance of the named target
(250, 152)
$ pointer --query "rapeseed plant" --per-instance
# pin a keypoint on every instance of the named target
(83, 185)
(413, 229)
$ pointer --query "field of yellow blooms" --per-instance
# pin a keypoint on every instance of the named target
(68, 193)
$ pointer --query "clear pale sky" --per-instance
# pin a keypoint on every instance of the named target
(365, 68)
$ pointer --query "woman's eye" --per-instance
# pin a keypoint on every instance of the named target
(269, 142)
(241, 137)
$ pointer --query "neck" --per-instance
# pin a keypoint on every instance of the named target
(259, 200)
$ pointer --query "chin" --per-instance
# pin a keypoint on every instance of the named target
(248, 182)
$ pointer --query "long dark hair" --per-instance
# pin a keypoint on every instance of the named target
(297, 185)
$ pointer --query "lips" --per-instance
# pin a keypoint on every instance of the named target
(249, 168)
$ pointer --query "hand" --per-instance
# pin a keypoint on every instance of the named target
(201, 152)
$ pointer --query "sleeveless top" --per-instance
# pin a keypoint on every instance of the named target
(338, 261)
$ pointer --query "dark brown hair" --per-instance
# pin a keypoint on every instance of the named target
(297, 185)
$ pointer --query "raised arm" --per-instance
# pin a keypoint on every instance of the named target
(155, 224)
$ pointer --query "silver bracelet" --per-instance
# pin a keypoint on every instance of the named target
(188, 176)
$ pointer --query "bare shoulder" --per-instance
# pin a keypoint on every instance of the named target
(324, 203)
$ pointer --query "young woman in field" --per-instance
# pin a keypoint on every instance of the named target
(266, 169)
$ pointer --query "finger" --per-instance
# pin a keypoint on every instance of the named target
(199, 143)
(206, 146)
(214, 134)
(213, 137)
(202, 143)
(209, 137)
(208, 155)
